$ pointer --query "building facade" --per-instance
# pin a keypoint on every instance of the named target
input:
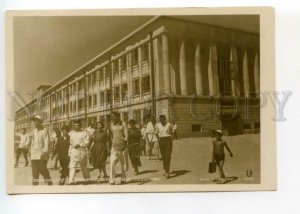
(201, 76)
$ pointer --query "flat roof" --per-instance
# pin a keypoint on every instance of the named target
(128, 37)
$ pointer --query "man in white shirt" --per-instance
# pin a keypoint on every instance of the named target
(23, 148)
(39, 152)
(151, 137)
(79, 141)
(164, 132)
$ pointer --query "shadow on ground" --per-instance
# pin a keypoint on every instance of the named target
(177, 173)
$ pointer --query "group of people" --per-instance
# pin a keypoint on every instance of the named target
(76, 148)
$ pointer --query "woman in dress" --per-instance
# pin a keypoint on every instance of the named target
(134, 146)
(100, 149)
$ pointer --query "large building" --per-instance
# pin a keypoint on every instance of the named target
(202, 76)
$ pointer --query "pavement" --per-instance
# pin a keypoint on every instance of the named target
(189, 164)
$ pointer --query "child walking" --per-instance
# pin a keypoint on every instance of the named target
(218, 155)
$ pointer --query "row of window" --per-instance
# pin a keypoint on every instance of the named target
(92, 78)
(93, 99)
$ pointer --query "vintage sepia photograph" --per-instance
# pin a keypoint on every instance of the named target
(140, 100)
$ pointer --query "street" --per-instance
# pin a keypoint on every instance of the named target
(189, 164)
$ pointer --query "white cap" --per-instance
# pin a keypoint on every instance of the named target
(219, 131)
(37, 117)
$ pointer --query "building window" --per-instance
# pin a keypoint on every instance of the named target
(81, 104)
(116, 67)
(95, 99)
(101, 75)
(136, 87)
(123, 63)
(101, 98)
(108, 94)
(145, 49)
(89, 79)
(117, 93)
(224, 76)
(107, 73)
(247, 126)
(94, 78)
(146, 84)
(81, 84)
(196, 128)
(71, 106)
(124, 90)
(90, 101)
(135, 56)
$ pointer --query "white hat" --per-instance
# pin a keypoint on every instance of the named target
(219, 131)
(37, 117)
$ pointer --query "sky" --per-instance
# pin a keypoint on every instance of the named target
(47, 49)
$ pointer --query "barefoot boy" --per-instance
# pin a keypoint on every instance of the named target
(218, 155)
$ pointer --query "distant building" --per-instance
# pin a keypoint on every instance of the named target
(193, 64)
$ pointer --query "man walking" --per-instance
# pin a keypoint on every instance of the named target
(39, 152)
(164, 132)
(62, 149)
(22, 149)
(151, 137)
(119, 153)
(79, 141)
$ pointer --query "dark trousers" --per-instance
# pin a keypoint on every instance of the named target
(40, 167)
(166, 146)
(64, 170)
(143, 146)
(19, 152)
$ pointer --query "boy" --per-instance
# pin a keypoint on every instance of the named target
(218, 155)
(62, 150)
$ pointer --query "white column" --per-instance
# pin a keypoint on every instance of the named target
(213, 78)
(198, 75)
(256, 75)
(182, 69)
(235, 90)
(166, 65)
(246, 74)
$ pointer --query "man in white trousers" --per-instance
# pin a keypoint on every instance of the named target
(78, 152)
